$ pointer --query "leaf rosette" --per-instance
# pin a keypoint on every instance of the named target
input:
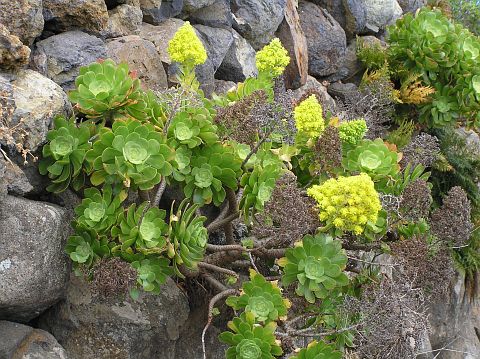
(152, 273)
(318, 350)
(85, 246)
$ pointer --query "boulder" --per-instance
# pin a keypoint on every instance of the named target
(34, 101)
(216, 41)
(22, 18)
(142, 57)
(123, 20)
(190, 6)
(326, 40)
(13, 180)
(222, 86)
(293, 39)
(13, 53)
(64, 15)
(157, 11)
(381, 13)
(218, 14)
(239, 62)
(33, 265)
(91, 325)
(312, 86)
(60, 57)
(256, 20)
(21, 341)
(411, 5)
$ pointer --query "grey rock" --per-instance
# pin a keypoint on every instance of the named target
(411, 5)
(65, 15)
(157, 11)
(216, 41)
(326, 39)
(13, 180)
(222, 86)
(239, 62)
(256, 20)
(381, 13)
(13, 53)
(33, 265)
(471, 138)
(91, 326)
(22, 18)
(341, 90)
(123, 20)
(313, 85)
(35, 101)
(142, 57)
(21, 341)
(60, 57)
(194, 5)
(218, 14)
(455, 321)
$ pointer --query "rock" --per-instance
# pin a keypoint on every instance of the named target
(411, 5)
(455, 321)
(13, 53)
(33, 265)
(123, 20)
(218, 14)
(190, 6)
(326, 40)
(381, 13)
(293, 39)
(64, 15)
(35, 101)
(22, 18)
(222, 86)
(239, 62)
(91, 326)
(60, 57)
(160, 36)
(141, 57)
(313, 86)
(216, 42)
(112, 4)
(157, 11)
(21, 341)
(13, 180)
(341, 90)
(256, 20)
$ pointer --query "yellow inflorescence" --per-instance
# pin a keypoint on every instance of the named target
(185, 47)
(352, 131)
(273, 58)
(347, 203)
(309, 117)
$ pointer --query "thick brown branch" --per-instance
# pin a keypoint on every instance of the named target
(212, 267)
(212, 227)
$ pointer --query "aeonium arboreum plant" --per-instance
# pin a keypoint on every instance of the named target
(130, 153)
(86, 246)
(318, 350)
(152, 273)
(261, 298)
(249, 340)
(64, 155)
(104, 87)
(317, 264)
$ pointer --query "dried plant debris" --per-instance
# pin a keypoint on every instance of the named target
(393, 320)
(416, 200)
(423, 150)
(428, 268)
(288, 216)
(328, 150)
(112, 277)
(374, 102)
(452, 221)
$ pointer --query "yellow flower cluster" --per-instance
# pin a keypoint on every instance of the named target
(273, 58)
(352, 131)
(347, 203)
(185, 47)
(309, 117)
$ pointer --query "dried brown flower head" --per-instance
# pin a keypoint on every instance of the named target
(113, 276)
(424, 149)
(328, 150)
(416, 201)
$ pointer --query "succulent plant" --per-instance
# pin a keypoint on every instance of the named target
(373, 158)
(211, 168)
(185, 47)
(351, 132)
(273, 58)
(85, 246)
(347, 203)
(308, 117)
(130, 153)
(99, 210)
(103, 87)
(142, 228)
(64, 154)
(152, 273)
(261, 298)
(248, 340)
(318, 350)
(149, 109)
(188, 236)
(193, 127)
(317, 263)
